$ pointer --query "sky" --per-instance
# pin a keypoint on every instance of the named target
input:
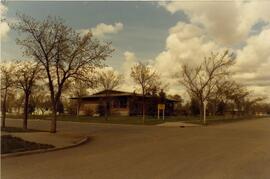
(163, 34)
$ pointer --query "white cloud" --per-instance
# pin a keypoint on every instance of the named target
(228, 22)
(214, 26)
(186, 44)
(255, 54)
(189, 44)
(252, 67)
(129, 60)
(101, 29)
(4, 28)
(129, 56)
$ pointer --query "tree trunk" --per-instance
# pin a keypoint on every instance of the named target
(215, 108)
(4, 109)
(53, 122)
(25, 111)
(107, 106)
(143, 115)
(106, 110)
(55, 101)
(78, 106)
(54, 118)
(3, 118)
(201, 111)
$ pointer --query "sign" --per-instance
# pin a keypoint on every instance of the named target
(161, 106)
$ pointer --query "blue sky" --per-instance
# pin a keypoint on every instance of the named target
(145, 24)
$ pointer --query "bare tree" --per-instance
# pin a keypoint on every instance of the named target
(251, 103)
(7, 82)
(237, 93)
(17, 102)
(145, 77)
(261, 109)
(78, 88)
(27, 74)
(200, 81)
(108, 80)
(41, 100)
(61, 51)
(220, 95)
(243, 99)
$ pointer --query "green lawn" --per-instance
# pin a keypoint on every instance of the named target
(138, 120)
(17, 129)
(149, 120)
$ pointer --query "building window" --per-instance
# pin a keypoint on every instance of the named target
(123, 102)
(116, 103)
(120, 103)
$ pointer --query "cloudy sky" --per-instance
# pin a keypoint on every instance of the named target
(164, 34)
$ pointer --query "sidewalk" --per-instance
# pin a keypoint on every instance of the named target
(178, 124)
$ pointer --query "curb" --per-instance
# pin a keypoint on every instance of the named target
(80, 142)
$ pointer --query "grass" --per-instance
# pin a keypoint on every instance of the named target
(112, 119)
(214, 120)
(137, 120)
(10, 144)
(17, 129)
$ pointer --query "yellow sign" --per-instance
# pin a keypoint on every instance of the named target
(161, 106)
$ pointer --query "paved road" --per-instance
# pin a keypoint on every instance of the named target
(236, 150)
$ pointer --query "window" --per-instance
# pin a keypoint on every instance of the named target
(120, 102)
(116, 103)
(123, 102)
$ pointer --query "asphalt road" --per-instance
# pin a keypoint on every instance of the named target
(235, 150)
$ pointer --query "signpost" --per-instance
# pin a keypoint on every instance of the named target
(161, 107)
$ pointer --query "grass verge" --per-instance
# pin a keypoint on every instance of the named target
(137, 120)
(11, 144)
(17, 129)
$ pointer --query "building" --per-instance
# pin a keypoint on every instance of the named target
(122, 103)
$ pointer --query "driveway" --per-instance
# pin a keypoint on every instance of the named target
(235, 150)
